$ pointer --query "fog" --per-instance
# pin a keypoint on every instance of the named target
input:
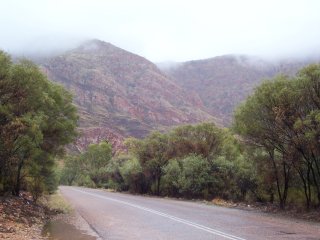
(166, 30)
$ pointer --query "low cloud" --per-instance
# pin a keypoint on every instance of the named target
(166, 30)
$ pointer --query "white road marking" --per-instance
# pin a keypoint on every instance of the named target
(192, 224)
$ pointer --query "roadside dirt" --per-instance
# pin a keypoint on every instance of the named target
(20, 218)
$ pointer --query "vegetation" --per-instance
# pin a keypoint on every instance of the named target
(282, 119)
(89, 168)
(56, 203)
(37, 118)
(272, 153)
(190, 161)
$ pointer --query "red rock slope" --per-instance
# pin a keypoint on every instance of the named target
(121, 94)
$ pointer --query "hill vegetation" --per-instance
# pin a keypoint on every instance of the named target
(275, 157)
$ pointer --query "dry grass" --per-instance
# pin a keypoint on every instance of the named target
(56, 203)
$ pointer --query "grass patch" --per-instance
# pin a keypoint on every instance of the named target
(55, 202)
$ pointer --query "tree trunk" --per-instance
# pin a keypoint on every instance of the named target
(158, 185)
(316, 184)
(286, 174)
(17, 186)
(305, 187)
(275, 171)
(271, 199)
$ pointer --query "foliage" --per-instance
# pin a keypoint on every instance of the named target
(190, 161)
(37, 119)
(89, 168)
(194, 179)
(171, 184)
(94, 161)
(131, 171)
(282, 118)
(70, 171)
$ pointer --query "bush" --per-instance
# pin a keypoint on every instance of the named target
(194, 179)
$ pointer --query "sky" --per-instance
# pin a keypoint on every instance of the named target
(166, 30)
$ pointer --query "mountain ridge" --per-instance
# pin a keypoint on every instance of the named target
(224, 82)
(121, 93)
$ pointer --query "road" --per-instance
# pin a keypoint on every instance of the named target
(117, 216)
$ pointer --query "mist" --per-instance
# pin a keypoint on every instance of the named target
(164, 31)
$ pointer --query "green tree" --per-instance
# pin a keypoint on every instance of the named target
(307, 129)
(70, 171)
(172, 171)
(282, 117)
(264, 121)
(95, 160)
(37, 118)
(152, 155)
(131, 171)
(195, 178)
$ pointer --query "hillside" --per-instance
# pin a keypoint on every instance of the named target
(224, 82)
(120, 94)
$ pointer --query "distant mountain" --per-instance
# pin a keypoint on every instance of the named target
(224, 82)
(120, 94)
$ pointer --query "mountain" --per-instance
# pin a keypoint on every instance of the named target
(120, 94)
(224, 82)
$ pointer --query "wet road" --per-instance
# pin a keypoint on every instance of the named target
(116, 216)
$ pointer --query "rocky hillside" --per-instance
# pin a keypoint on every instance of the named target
(224, 82)
(121, 94)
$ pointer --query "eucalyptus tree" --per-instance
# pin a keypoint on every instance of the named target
(37, 119)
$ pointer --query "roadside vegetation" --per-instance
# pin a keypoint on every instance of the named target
(190, 161)
(281, 121)
(55, 203)
(271, 154)
(37, 119)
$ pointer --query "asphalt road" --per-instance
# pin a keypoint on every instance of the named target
(117, 216)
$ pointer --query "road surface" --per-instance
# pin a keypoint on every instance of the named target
(117, 216)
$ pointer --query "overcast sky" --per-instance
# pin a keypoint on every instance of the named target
(166, 30)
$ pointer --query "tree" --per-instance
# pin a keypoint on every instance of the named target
(195, 176)
(70, 171)
(191, 161)
(152, 154)
(283, 117)
(95, 160)
(37, 119)
(307, 128)
(203, 139)
(265, 120)
(131, 171)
